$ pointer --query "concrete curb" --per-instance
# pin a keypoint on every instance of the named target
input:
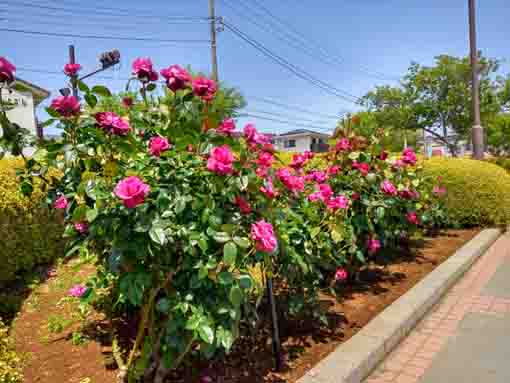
(354, 360)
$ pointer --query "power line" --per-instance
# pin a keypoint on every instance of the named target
(293, 107)
(287, 116)
(294, 69)
(61, 73)
(316, 44)
(285, 122)
(99, 37)
(102, 13)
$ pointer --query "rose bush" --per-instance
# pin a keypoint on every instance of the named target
(179, 212)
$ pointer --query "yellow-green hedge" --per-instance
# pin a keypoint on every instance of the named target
(29, 233)
(10, 363)
(478, 192)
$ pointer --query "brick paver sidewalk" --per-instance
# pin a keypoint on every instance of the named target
(466, 337)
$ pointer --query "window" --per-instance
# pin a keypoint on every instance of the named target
(289, 143)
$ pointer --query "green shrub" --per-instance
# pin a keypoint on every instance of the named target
(30, 233)
(10, 363)
(504, 162)
(478, 192)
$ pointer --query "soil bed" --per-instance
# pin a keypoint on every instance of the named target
(54, 358)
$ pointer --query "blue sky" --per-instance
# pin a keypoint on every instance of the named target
(360, 37)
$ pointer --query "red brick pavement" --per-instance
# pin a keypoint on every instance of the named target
(411, 359)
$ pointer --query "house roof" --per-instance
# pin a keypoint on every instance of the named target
(302, 132)
(24, 86)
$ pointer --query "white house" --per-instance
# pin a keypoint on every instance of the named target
(21, 101)
(301, 140)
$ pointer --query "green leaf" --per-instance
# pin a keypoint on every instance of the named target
(243, 243)
(157, 234)
(91, 214)
(52, 112)
(245, 282)
(101, 91)
(221, 237)
(225, 278)
(163, 305)
(206, 333)
(150, 87)
(360, 256)
(236, 296)
(230, 253)
(180, 205)
(229, 227)
(83, 87)
(354, 155)
(91, 100)
(225, 338)
(336, 235)
(315, 232)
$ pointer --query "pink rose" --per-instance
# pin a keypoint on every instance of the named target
(323, 194)
(176, 77)
(409, 194)
(355, 196)
(142, 68)
(81, 227)
(132, 191)
(412, 217)
(221, 160)
(316, 176)
(363, 167)
(66, 106)
(308, 155)
(333, 170)
(261, 172)
(268, 189)
(263, 235)
(298, 161)
(373, 245)
(409, 157)
(127, 102)
(7, 71)
(226, 127)
(343, 145)
(71, 69)
(439, 191)
(77, 291)
(61, 203)
(268, 146)
(265, 160)
(253, 137)
(398, 164)
(341, 275)
(388, 188)
(383, 156)
(340, 202)
(244, 206)
(112, 123)
(158, 145)
(204, 88)
(292, 182)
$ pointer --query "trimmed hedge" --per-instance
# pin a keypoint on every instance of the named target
(504, 162)
(30, 232)
(478, 192)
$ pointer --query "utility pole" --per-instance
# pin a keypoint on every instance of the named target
(74, 78)
(477, 130)
(214, 56)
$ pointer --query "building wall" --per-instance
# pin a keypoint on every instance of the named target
(23, 113)
(303, 143)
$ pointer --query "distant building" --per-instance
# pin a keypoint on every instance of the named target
(301, 140)
(21, 102)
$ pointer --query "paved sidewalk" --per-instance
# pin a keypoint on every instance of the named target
(466, 337)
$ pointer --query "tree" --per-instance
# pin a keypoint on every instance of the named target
(437, 99)
(498, 134)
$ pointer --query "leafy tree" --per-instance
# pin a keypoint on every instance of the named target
(437, 99)
(498, 134)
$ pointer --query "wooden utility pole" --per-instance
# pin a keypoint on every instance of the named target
(74, 78)
(214, 56)
(477, 129)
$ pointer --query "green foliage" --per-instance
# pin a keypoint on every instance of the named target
(498, 134)
(30, 232)
(478, 192)
(10, 363)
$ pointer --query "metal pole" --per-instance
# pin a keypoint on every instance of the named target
(214, 56)
(277, 347)
(72, 60)
(477, 130)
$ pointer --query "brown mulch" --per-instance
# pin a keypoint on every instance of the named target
(52, 358)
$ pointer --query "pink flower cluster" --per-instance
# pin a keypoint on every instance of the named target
(343, 145)
(77, 291)
(388, 188)
(132, 191)
(325, 194)
(81, 227)
(268, 189)
(204, 88)
(299, 160)
(253, 137)
(413, 218)
(226, 127)
(71, 69)
(439, 191)
(292, 182)
(158, 145)
(316, 176)
(363, 167)
(61, 203)
(177, 78)
(243, 205)
(112, 123)
(373, 245)
(143, 70)
(409, 157)
(263, 235)
(341, 275)
(66, 106)
(7, 71)
(408, 194)
(221, 160)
